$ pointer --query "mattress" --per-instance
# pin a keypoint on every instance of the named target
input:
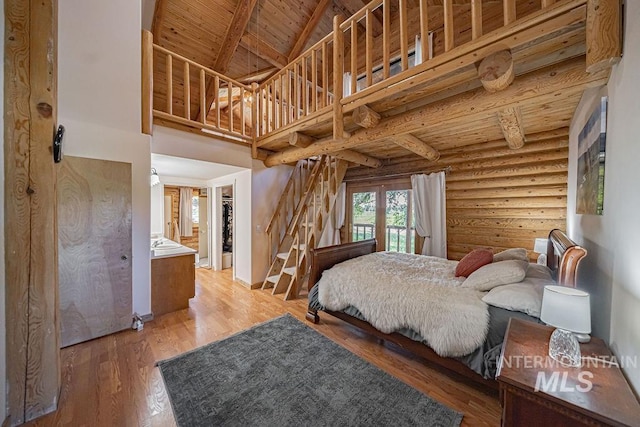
(483, 360)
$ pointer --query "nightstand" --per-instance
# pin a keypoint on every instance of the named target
(535, 390)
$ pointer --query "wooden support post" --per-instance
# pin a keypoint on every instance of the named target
(147, 82)
(365, 117)
(338, 71)
(417, 146)
(547, 3)
(476, 19)
(604, 35)
(511, 124)
(31, 240)
(496, 71)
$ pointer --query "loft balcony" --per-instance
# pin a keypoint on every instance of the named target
(399, 77)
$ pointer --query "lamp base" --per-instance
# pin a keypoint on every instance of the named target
(582, 338)
(564, 348)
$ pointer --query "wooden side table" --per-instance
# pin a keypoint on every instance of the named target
(535, 390)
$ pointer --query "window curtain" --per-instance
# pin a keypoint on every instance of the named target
(186, 224)
(331, 235)
(430, 212)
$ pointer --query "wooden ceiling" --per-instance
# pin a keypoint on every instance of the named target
(250, 40)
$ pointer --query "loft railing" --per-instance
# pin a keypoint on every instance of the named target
(368, 57)
(193, 95)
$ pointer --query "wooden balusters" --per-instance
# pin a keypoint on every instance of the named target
(509, 7)
(338, 70)
(476, 19)
(448, 25)
(354, 56)
(386, 39)
(186, 81)
(325, 76)
(547, 3)
(230, 105)
(216, 91)
(404, 27)
(369, 47)
(169, 84)
(203, 98)
(314, 80)
(424, 29)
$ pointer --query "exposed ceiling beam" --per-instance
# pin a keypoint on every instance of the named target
(496, 71)
(301, 140)
(257, 75)
(232, 38)
(158, 16)
(511, 125)
(308, 29)
(234, 33)
(365, 117)
(256, 45)
(549, 83)
(416, 145)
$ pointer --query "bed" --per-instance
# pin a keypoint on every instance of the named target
(563, 258)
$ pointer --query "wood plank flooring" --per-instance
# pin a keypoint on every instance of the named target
(113, 381)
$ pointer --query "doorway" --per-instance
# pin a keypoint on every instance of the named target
(203, 228)
(382, 211)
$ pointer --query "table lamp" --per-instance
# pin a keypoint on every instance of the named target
(540, 246)
(569, 311)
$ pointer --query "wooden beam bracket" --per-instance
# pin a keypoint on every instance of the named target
(496, 71)
(511, 125)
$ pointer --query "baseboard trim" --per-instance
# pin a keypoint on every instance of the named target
(253, 286)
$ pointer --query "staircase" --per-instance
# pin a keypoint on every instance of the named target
(299, 220)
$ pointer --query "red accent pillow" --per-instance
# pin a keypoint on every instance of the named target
(473, 261)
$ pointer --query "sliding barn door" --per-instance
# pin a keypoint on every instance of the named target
(94, 235)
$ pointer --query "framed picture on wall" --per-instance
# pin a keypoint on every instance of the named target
(591, 157)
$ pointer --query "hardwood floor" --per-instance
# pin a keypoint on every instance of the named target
(113, 381)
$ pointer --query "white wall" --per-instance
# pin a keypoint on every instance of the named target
(611, 268)
(3, 323)
(172, 142)
(99, 96)
(242, 236)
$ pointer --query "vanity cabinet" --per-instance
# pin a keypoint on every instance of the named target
(173, 283)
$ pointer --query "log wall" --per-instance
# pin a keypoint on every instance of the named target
(496, 197)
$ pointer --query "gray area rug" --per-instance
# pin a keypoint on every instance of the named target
(283, 373)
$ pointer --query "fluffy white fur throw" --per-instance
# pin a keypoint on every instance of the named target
(394, 290)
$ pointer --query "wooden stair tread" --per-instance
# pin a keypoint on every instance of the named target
(289, 270)
(274, 278)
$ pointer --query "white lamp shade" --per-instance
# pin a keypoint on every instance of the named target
(566, 308)
(540, 246)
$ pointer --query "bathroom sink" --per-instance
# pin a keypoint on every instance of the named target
(165, 244)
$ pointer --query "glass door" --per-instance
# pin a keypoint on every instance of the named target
(363, 208)
(399, 228)
(383, 212)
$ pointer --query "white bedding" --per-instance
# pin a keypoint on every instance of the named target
(395, 290)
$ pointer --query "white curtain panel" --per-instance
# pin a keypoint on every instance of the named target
(331, 235)
(430, 212)
(186, 224)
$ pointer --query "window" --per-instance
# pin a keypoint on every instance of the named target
(383, 212)
(195, 209)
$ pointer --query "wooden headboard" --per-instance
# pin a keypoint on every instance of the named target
(563, 257)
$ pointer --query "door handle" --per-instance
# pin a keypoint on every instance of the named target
(124, 257)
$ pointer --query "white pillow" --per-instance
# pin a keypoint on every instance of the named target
(498, 273)
(516, 253)
(538, 271)
(525, 296)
